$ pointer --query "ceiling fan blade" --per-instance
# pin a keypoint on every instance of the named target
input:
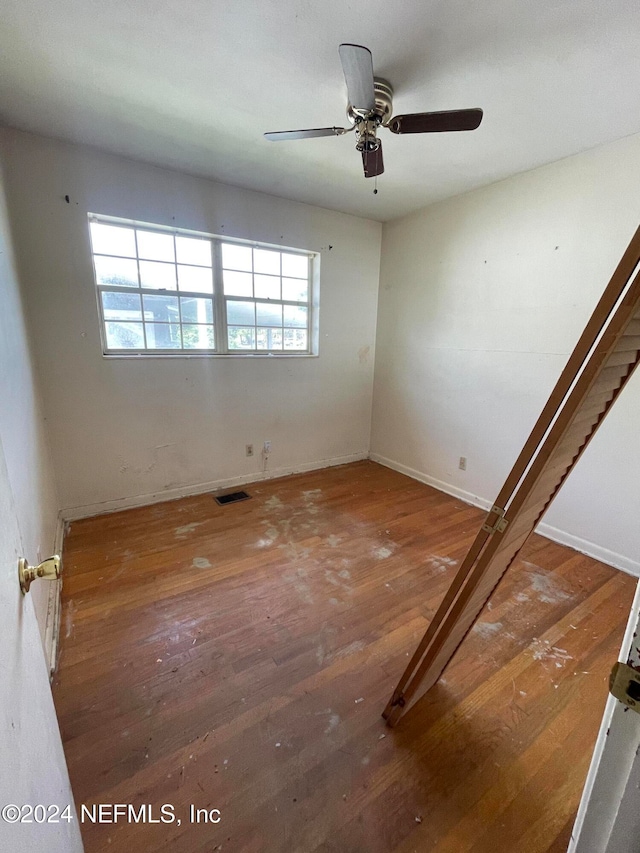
(358, 73)
(436, 122)
(372, 162)
(279, 135)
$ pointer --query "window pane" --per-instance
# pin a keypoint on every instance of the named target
(267, 286)
(161, 309)
(237, 283)
(196, 279)
(236, 257)
(158, 276)
(198, 337)
(266, 262)
(112, 240)
(118, 271)
(155, 247)
(295, 316)
(193, 250)
(196, 310)
(162, 335)
(295, 339)
(241, 313)
(295, 290)
(121, 306)
(269, 338)
(268, 315)
(241, 338)
(156, 291)
(124, 335)
(295, 266)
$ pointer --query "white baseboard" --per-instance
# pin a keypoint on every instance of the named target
(440, 485)
(52, 623)
(77, 512)
(584, 546)
(591, 549)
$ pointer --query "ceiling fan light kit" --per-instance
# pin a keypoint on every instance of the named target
(370, 106)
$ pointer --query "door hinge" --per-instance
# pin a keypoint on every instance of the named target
(499, 525)
(624, 684)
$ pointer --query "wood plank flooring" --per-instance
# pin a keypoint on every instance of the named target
(238, 658)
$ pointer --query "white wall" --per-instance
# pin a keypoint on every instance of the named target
(482, 298)
(122, 430)
(21, 423)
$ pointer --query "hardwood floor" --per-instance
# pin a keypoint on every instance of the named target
(238, 658)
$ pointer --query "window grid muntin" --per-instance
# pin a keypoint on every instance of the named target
(281, 327)
(267, 301)
(144, 322)
(143, 291)
(218, 299)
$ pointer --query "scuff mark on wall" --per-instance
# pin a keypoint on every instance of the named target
(363, 354)
(125, 467)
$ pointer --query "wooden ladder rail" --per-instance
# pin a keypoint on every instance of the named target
(599, 367)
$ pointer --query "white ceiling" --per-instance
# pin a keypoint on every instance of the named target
(193, 85)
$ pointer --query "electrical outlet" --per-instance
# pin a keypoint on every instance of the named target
(462, 465)
(249, 449)
(267, 447)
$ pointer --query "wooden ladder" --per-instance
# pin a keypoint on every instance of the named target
(598, 369)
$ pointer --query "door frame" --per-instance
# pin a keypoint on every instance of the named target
(608, 819)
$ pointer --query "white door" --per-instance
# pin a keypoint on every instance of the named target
(33, 772)
(609, 815)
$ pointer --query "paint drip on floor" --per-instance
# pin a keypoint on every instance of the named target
(545, 585)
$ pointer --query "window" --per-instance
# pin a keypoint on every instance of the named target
(166, 291)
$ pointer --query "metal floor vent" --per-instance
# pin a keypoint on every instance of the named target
(232, 497)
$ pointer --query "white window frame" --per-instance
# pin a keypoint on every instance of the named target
(218, 298)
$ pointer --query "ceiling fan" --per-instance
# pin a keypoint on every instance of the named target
(370, 106)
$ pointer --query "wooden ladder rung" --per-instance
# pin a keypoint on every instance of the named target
(576, 438)
(610, 379)
(597, 398)
(619, 357)
(513, 543)
(551, 479)
(628, 342)
(615, 372)
(578, 433)
(586, 413)
(528, 518)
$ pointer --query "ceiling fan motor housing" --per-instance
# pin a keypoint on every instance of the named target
(367, 122)
(383, 109)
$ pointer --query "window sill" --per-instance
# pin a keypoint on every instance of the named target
(179, 355)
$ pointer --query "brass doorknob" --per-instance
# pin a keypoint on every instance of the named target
(49, 569)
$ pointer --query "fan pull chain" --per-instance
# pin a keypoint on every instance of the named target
(375, 185)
